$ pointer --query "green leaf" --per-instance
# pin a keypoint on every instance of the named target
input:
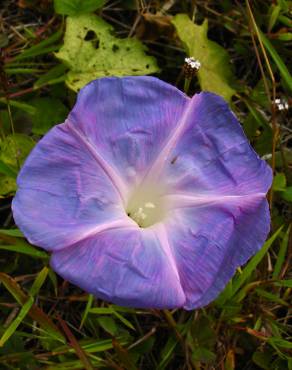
(215, 74)
(49, 112)
(13, 151)
(279, 182)
(287, 194)
(254, 123)
(77, 7)
(108, 324)
(259, 95)
(263, 359)
(15, 148)
(7, 185)
(123, 320)
(284, 36)
(91, 51)
(279, 342)
(203, 355)
(202, 332)
(7, 170)
(274, 14)
(285, 20)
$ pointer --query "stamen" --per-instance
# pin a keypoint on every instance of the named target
(145, 206)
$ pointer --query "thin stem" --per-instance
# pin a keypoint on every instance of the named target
(187, 84)
(275, 128)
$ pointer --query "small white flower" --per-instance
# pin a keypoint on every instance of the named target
(266, 157)
(281, 104)
(193, 63)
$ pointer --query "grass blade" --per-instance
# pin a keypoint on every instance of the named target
(277, 59)
(74, 343)
(41, 48)
(35, 312)
(252, 264)
(25, 249)
(87, 308)
(282, 253)
(40, 279)
(17, 321)
(12, 232)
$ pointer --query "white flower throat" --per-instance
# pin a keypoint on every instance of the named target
(146, 206)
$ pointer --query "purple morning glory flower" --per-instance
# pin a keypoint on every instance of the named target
(144, 196)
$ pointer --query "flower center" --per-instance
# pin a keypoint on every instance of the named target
(146, 206)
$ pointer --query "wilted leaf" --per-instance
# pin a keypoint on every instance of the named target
(76, 7)
(91, 51)
(215, 74)
(230, 360)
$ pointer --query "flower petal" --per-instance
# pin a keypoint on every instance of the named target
(128, 119)
(212, 154)
(210, 241)
(64, 193)
(124, 266)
